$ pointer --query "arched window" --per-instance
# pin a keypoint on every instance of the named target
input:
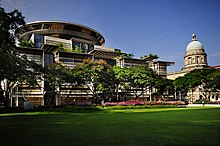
(189, 60)
(202, 60)
(197, 59)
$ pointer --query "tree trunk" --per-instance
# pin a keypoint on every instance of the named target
(7, 99)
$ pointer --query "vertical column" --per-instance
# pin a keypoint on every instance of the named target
(56, 100)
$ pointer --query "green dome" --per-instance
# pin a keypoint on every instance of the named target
(194, 45)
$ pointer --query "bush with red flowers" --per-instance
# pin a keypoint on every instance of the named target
(139, 103)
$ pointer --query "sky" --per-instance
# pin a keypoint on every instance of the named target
(141, 27)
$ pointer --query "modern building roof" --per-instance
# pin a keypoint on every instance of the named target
(60, 29)
(167, 63)
(104, 54)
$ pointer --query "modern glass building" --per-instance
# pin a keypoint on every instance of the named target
(79, 42)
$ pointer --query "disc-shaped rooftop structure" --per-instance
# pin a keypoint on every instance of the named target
(64, 30)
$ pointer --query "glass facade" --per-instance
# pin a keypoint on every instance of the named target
(75, 45)
(91, 47)
(85, 47)
(38, 40)
(48, 59)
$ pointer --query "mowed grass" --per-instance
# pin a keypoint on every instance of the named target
(132, 127)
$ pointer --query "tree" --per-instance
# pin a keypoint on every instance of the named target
(9, 22)
(126, 55)
(120, 80)
(211, 84)
(56, 75)
(188, 82)
(136, 80)
(17, 69)
(163, 84)
(95, 75)
(14, 68)
(198, 78)
(149, 57)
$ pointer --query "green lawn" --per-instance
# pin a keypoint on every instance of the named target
(132, 127)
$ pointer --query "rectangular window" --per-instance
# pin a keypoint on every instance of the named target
(75, 45)
(84, 47)
(38, 40)
(90, 48)
(48, 59)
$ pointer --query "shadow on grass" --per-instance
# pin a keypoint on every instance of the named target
(85, 110)
(49, 111)
(80, 126)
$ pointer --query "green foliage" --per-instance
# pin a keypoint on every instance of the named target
(77, 49)
(9, 22)
(14, 68)
(163, 84)
(137, 79)
(26, 43)
(149, 57)
(126, 55)
(19, 69)
(208, 78)
(202, 102)
(96, 75)
(68, 50)
(60, 47)
(213, 81)
(138, 107)
(134, 127)
(118, 51)
(56, 75)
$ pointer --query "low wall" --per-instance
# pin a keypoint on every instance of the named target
(196, 105)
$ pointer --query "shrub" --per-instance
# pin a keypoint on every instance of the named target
(206, 102)
(175, 103)
(141, 103)
(201, 102)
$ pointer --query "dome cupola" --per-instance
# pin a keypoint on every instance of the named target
(195, 56)
(194, 44)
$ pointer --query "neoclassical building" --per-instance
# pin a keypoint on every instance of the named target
(195, 58)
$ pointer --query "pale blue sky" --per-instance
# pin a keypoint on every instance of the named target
(162, 27)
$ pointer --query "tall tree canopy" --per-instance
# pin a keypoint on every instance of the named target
(56, 75)
(140, 79)
(137, 80)
(206, 79)
(96, 75)
(14, 68)
(9, 22)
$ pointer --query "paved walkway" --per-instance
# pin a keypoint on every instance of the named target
(195, 105)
